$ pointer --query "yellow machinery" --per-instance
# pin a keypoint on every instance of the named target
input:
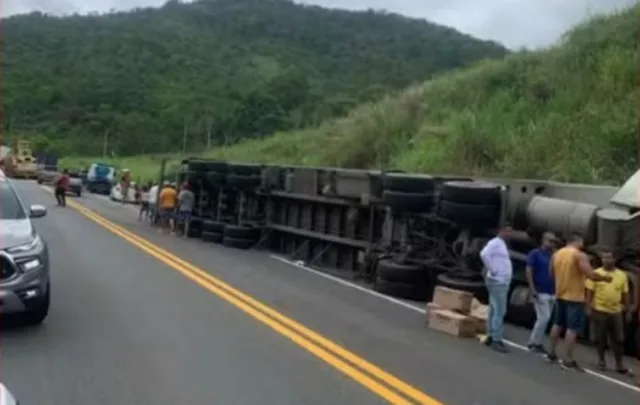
(20, 162)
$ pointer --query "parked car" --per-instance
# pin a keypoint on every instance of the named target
(75, 183)
(116, 193)
(45, 176)
(24, 258)
(6, 397)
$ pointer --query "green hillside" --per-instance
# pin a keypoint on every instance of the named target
(568, 113)
(215, 70)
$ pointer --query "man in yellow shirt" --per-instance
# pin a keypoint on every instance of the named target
(167, 201)
(569, 268)
(607, 303)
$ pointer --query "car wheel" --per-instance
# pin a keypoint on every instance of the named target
(39, 313)
(79, 194)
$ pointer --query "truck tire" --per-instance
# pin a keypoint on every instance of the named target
(408, 202)
(238, 243)
(472, 193)
(407, 183)
(397, 289)
(389, 270)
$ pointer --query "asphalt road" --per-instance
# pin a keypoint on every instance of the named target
(129, 328)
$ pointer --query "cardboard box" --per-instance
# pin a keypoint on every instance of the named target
(480, 314)
(453, 323)
(454, 300)
(431, 306)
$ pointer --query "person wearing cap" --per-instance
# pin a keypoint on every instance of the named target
(167, 201)
(542, 288)
(186, 201)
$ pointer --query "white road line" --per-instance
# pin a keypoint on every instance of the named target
(415, 308)
(351, 285)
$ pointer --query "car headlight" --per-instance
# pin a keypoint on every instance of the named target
(32, 245)
(30, 264)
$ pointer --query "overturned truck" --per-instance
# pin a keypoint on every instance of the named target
(403, 234)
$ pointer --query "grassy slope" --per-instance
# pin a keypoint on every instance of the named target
(567, 113)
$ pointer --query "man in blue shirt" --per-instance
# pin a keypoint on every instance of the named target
(542, 289)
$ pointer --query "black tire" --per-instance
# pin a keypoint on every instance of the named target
(79, 194)
(244, 182)
(245, 170)
(211, 237)
(37, 314)
(245, 231)
(408, 202)
(472, 192)
(194, 232)
(520, 311)
(238, 243)
(211, 226)
(389, 270)
(195, 223)
(39, 181)
(408, 184)
(470, 215)
(463, 282)
(216, 179)
(401, 290)
(203, 166)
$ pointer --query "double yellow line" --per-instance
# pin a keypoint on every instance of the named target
(378, 381)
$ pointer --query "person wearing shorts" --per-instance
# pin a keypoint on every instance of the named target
(167, 201)
(569, 268)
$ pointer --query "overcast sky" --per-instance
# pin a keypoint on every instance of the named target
(515, 23)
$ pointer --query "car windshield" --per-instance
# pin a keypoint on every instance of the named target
(10, 206)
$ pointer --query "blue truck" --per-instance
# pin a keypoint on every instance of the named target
(100, 178)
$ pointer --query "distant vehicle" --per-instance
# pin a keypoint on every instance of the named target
(100, 178)
(47, 176)
(116, 193)
(6, 397)
(20, 162)
(24, 258)
(75, 183)
(47, 161)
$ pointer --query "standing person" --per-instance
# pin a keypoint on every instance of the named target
(62, 184)
(607, 303)
(167, 201)
(126, 181)
(569, 268)
(498, 268)
(144, 203)
(542, 289)
(186, 201)
(153, 203)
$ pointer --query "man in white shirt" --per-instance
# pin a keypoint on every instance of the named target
(498, 274)
(153, 199)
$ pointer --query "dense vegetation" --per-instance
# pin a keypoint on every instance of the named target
(568, 113)
(187, 76)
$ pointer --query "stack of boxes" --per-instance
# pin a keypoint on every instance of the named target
(457, 313)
